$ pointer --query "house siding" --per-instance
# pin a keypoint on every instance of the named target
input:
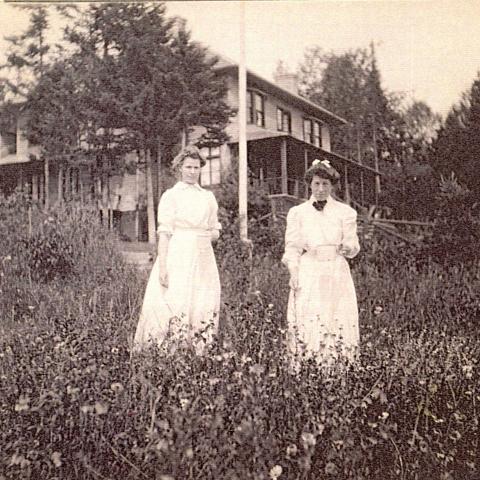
(271, 104)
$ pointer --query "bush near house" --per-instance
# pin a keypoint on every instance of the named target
(75, 405)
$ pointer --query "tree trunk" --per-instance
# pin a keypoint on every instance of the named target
(150, 203)
(60, 185)
(137, 193)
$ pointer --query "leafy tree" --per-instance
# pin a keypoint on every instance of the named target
(146, 83)
(457, 148)
(28, 60)
(382, 132)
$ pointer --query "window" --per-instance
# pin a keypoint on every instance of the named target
(211, 172)
(255, 108)
(9, 144)
(307, 130)
(317, 139)
(284, 120)
(312, 131)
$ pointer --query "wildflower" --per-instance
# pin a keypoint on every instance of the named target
(189, 452)
(114, 350)
(468, 371)
(72, 390)
(213, 381)
(377, 310)
(184, 402)
(384, 416)
(117, 387)
(162, 445)
(86, 409)
(308, 440)
(270, 305)
(22, 404)
(101, 408)
(31, 307)
(292, 450)
(275, 472)
(56, 459)
(257, 369)
(244, 359)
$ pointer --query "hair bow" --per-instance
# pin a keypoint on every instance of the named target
(325, 163)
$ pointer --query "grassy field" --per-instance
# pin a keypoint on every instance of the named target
(75, 405)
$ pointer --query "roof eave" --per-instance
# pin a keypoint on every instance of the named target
(309, 107)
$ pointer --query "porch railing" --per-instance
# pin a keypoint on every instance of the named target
(274, 186)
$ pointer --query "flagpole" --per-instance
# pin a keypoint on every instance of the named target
(242, 131)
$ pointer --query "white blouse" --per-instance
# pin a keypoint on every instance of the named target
(308, 228)
(186, 206)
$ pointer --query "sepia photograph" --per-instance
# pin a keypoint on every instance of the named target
(239, 240)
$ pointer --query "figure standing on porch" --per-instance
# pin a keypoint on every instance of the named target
(182, 297)
(322, 308)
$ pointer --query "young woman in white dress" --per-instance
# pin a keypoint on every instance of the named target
(322, 308)
(182, 298)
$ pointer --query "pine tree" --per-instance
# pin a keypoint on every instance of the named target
(147, 83)
(457, 148)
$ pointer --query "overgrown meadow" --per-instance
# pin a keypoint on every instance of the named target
(75, 405)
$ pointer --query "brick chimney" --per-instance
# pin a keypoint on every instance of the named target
(286, 79)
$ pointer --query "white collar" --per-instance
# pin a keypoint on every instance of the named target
(184, 185)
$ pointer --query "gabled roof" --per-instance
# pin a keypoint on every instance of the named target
(225, 65)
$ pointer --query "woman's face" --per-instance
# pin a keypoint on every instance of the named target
(321, 187)
(190, 170)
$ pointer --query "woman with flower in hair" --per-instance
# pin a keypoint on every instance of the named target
(321, 233)
(182, 297)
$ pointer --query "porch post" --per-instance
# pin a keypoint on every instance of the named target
(35, 187)
(283, 159)
(305, 187)
(242, 133)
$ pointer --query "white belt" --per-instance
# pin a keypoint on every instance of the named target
(200, 232)
(324, 253)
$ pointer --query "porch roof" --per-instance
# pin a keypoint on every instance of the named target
(265, 134)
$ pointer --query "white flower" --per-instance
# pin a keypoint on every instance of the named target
(292, 450)
(117, 387)
(308, 440)
(315, 162)
(275, 472)
(56, 459)
(101, 408)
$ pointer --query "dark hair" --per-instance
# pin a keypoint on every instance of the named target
(190, 151)
(322, 170)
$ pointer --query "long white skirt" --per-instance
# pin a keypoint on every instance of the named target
(188, 309)
(323, 314)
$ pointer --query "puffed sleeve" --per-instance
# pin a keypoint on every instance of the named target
(349, 233)
(213, 223)
(166, 213)
(293, 240)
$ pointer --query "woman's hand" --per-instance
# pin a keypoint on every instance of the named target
(163, 276)
(344, 250)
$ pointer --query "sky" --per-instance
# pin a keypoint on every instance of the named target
(428, 49)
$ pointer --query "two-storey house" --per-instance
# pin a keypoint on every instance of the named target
(285, 133)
